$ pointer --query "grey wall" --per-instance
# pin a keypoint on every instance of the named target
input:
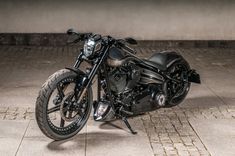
(146, 19)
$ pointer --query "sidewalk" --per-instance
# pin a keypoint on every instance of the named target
(202, 125)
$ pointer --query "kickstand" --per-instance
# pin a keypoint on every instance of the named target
(124, 119)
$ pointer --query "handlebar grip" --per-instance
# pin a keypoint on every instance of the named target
(72, 32)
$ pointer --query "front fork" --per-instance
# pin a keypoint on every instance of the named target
(88, 78)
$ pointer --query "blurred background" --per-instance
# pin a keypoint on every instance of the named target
(144, 20)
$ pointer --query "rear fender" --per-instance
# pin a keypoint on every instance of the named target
(193, 76)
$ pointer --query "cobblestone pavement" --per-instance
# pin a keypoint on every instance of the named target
(23, 70)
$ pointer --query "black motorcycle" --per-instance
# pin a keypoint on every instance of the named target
(126, 85)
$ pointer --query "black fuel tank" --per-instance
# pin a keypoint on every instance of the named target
(116, 53)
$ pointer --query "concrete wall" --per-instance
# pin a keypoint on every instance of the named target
(146, 19)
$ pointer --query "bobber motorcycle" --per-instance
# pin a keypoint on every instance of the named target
(126, 85)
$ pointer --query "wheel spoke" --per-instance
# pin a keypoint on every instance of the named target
(62, 122)
(70, 114)
(60, 91)
(53, 109)
(80, 112)
(65, 109)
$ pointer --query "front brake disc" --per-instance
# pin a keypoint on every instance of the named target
(66, 112)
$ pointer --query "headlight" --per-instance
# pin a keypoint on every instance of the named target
(89, 47)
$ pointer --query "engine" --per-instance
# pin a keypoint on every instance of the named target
(131, 94)
(123, 78)
(118, 80)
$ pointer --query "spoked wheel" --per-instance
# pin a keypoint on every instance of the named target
(177, 91)
(58, 113)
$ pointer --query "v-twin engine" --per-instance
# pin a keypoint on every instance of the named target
(124, 78)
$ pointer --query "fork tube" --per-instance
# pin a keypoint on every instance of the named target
(78, 61)
(98, 86)
(96, 67)
(88, 80)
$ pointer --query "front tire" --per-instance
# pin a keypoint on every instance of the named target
(54, 125)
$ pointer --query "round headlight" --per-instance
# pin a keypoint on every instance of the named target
(89, 47)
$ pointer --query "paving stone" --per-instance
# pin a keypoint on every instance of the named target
(217, 135)
(41, 145)
(103, 139)
(11, 135)
(3, 109)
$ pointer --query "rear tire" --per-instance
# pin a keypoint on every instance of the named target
(177, 97)
(42, 110)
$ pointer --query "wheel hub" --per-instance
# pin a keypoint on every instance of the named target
(67, 111)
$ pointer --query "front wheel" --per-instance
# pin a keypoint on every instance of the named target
(58, 114)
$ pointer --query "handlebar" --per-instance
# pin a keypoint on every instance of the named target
(119, 42)
(122, 44)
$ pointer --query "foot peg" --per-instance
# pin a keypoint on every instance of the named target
(124, 119)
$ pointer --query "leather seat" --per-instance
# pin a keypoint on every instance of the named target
(163, 60)
(156, 65)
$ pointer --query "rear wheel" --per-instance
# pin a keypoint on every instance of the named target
(177, 91)
(58, 113)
